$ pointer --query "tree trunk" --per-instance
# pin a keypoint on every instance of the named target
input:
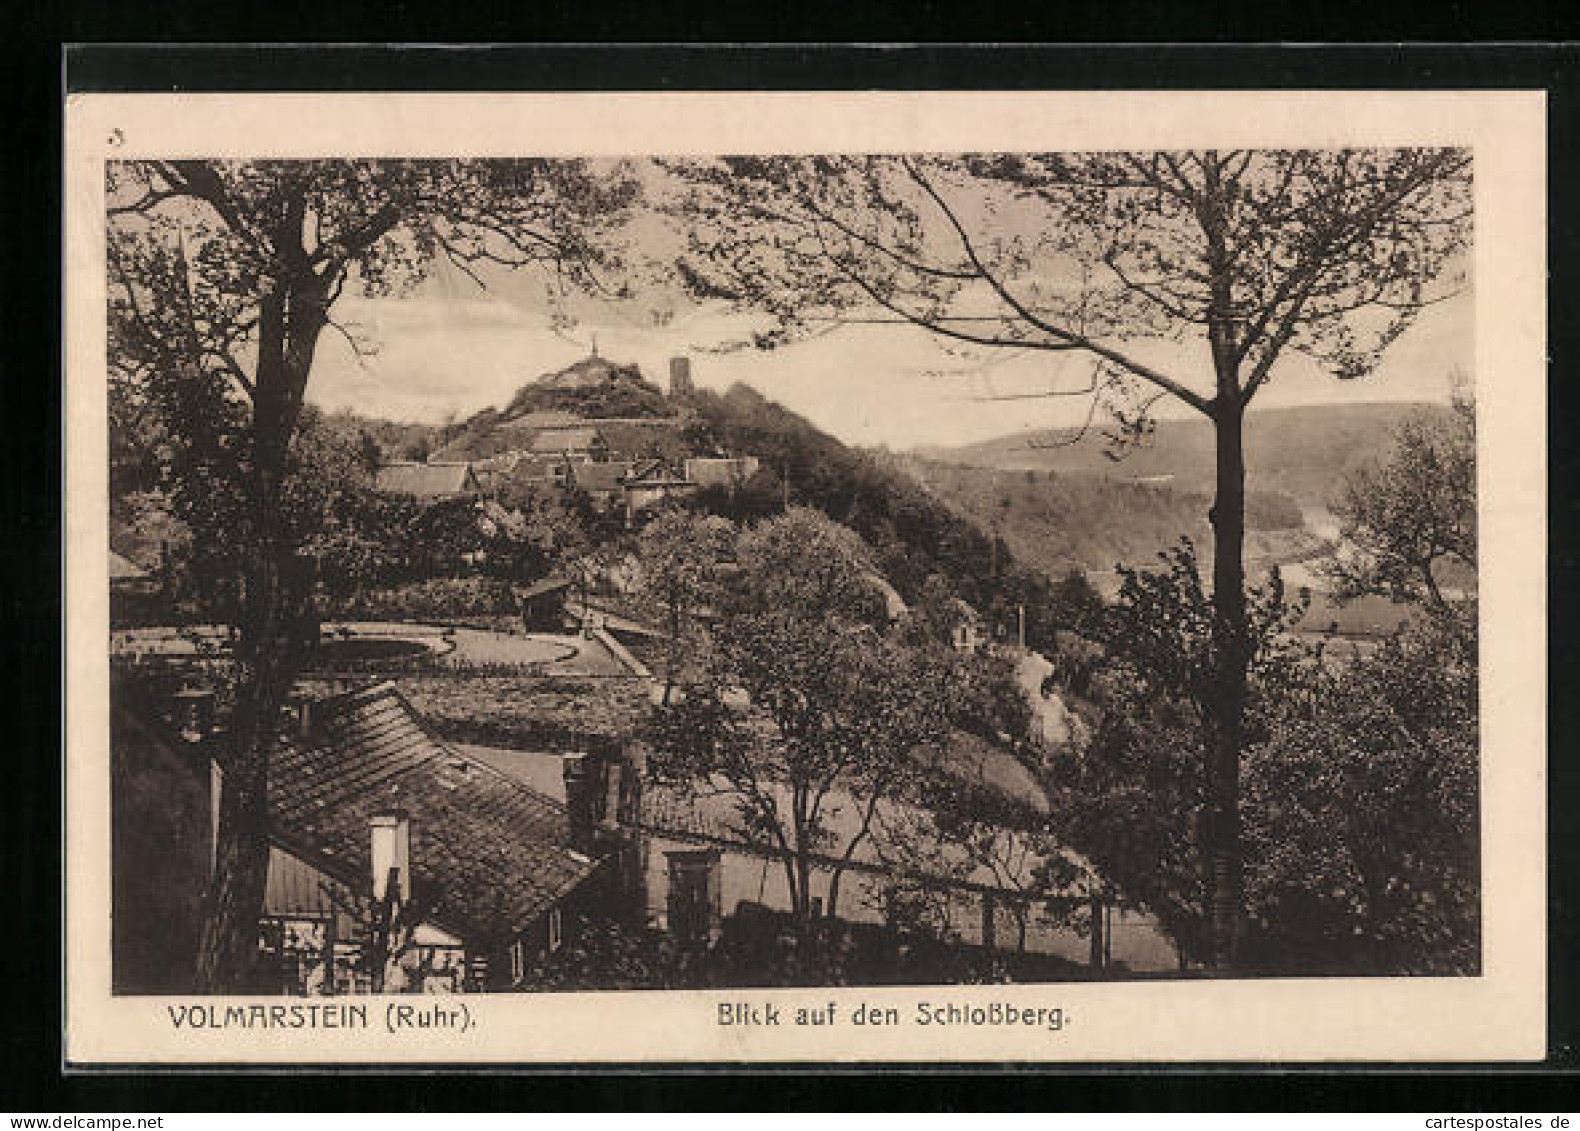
(1095, 910)
(1221, 825)
(291, 316)
(228, 946)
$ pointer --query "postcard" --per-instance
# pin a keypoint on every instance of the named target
(867, 577)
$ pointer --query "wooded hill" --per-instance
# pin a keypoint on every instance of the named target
(913, 532)
(1303, 452)
(632, 413)
(1001, 532)
(1058, 521)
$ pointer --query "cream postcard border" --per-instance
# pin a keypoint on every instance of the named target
(1498, 1016)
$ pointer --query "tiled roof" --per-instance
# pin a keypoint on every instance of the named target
(487, 851)
(656, 473)
(124, 569)
(601, 476)
(425, 480)
(565, 440)
(547, 585)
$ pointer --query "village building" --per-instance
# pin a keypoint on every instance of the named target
(582, 444)
(496, 471)
(697, 872)
(967, 632)
(135, 593)
(364, 802)
(721, 471)
(603, 483)
(651, 482)
(126, 575)
(428, 481)
(633, 485)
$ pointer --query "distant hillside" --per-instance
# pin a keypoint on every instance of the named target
(633, 414)
(592, 387)
(1302, 452)
(913, 531)
(1058, 521)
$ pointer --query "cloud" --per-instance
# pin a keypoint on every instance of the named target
(451, 348)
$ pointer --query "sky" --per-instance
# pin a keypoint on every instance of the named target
(451, 348)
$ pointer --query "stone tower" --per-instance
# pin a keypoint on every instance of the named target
(680, 377)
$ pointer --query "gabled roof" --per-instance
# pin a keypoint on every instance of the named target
(547, 585)
(566, 440)
(601, 476)
(656, 473)
(426, 480)
(487, 851)
(124, 569)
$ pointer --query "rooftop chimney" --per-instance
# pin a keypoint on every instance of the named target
(581, 799)
(194, 712)
(391, 854)
(304, 715)
(611, 799)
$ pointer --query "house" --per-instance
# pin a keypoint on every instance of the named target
(581, 443)
(721, 471)
(134, 592)
(966, 630)
(518, 468)
(604, 483)
(366, 805)
(696, 870)
(125, 573)
(635, 485)
(428, 480)
(651, 482)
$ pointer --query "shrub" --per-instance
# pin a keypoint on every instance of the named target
(439, 598)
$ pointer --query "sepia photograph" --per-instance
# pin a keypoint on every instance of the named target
(733, 571)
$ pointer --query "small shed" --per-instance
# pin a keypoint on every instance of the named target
(542, 604)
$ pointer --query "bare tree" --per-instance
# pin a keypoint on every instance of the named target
(1255, 254)
(223, 276)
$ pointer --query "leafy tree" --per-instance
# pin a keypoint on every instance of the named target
(979, 836)
(805, 715)
(1364, 798)
(1361, 785)
(1410, 521)
(1362, 817)
(1134, 800)
(1256, 254)
(223, 276)
(682, 556)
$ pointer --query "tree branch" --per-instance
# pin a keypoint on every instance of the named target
(1068, 339)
